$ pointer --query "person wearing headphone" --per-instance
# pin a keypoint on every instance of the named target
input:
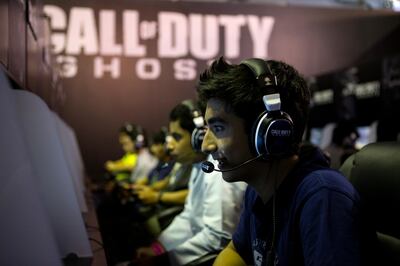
(297, 211)
(146, 189)
(156, 177)
(122, 168)
(212, 205)
(119, 171)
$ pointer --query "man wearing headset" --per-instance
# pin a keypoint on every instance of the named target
(297, 211)
(212, 206)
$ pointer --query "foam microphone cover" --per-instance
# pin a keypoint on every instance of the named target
(207, 167)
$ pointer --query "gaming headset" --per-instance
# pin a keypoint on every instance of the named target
(198, 120)
(140, 138)
(272, 132)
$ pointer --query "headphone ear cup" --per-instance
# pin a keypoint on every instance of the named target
(140, 141)
(197, 138)
(257, 134)
(272, 134)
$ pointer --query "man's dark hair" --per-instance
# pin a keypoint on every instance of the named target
(183, 114)
(159, 136)
(237, 86)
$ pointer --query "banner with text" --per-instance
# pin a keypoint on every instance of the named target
(134, 60)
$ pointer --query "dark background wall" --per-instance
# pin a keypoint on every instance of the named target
(316, 41)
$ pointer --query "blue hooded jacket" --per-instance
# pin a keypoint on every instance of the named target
(317, 219)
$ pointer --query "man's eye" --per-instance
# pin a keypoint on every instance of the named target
(218, 128)
(177, 136)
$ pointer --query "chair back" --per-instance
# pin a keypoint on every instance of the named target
(375, 172)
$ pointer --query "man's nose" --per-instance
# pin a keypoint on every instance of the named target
(208, 145)
(169, 145)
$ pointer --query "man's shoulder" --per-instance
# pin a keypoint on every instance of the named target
(325, 181)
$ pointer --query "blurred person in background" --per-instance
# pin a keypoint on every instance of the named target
(212, 206)
(343, 143)
(122, 168)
